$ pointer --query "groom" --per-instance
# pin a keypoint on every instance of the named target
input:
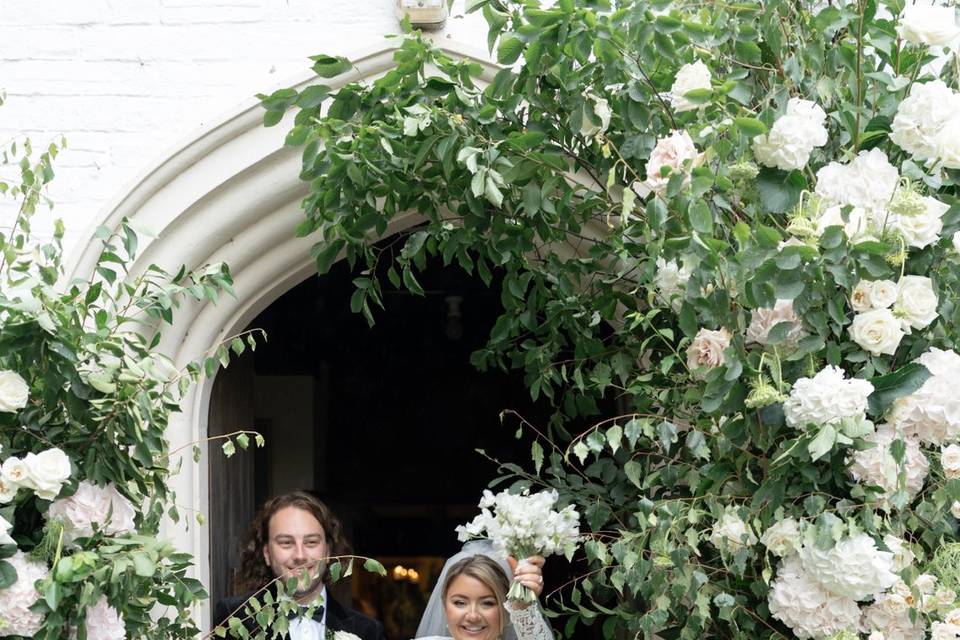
(293, 535)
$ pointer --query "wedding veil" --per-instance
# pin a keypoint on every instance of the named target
(434, 620)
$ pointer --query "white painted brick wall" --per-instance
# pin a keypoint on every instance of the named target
(125, 80)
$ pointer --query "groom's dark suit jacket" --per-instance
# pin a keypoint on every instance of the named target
(338, 619)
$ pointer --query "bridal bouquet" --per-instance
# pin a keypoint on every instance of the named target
(524, 525)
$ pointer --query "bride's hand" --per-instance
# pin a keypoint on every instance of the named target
(529, 573)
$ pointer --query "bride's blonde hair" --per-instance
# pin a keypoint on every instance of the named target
(488, 572)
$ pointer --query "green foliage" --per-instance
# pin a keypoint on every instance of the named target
(544, 174)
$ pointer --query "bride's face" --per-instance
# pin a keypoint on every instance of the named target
(472, 610)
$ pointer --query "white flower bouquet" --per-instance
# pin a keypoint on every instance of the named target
(524, 525)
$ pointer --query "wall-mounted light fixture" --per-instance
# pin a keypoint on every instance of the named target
(423, 14)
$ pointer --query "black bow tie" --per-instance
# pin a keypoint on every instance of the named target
(301, 613)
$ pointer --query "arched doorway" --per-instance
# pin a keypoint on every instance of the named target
(383, 423)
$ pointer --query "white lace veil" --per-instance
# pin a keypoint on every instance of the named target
(434, 620)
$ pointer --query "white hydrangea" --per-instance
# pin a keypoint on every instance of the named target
(878, 331)
(890, 615)
(932, 413)
(921, 116)
(928, 23)
(730, 533)
(827, 398)
(876, 465)
(867, 182)
(916, 304)
(783, 538)
(102, 622)
(671, 281)
(689, 77)
(923, 229)
(853, 568)
(948, 143)
(764, 319)
(524, 524)
(801, 603)
(16, 618)
(93, 505)
(793, 137)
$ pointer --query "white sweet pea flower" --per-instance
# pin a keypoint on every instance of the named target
(14, 392)
(903, 556)
(877, 331)
(671, 281)
(928, 24)
(916, 303)
(731, 533)
(601, 109)
(689, 78)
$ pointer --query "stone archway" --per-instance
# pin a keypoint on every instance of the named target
(229, 193)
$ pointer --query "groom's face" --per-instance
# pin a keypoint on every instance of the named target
(297, 547)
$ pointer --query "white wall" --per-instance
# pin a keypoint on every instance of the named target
(124, 80)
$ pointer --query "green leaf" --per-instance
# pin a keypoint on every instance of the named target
(779, 190)
(373, 566)
(509, 50)
(823, 442)
(228, 448)
(536, 453)
(8, 575)
(328, 255)
(330, 66)
(701, 218)
(633, 471)
(312, 96)
(889, 387)
(750, 126)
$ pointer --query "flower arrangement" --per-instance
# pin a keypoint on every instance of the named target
(524, 525)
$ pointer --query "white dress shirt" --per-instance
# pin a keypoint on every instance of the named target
(308, 628)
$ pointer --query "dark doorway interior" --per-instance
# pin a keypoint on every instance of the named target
(382, 423)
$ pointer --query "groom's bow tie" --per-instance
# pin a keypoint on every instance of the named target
(301, 613)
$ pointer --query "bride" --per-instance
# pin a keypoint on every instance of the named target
(468, 602)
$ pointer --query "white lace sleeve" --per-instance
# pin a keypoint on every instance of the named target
(529, 623)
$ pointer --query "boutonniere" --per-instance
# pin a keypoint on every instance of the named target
(340, 635)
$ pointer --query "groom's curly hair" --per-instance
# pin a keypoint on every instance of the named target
(254, 573)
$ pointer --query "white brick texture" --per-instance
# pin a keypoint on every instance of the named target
(125, 80)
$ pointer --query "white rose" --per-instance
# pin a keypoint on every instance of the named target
(922, 230)
(952, 617)
(860, 296)
(92, 505)
(869, 294)
(916, 302)
(948, 143)
(783, 538)
(15, 473)
(764, 319)
(706, 350)
(48, 470)
(678, 153)
(103, 622)
(8, 490)
(14, 392)
(903, 556)
(921, 116)
(930, 25)
(877, 331)
(950, 459)
(944, 631)
(944, 598)
(889, 617)
(689, 77)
